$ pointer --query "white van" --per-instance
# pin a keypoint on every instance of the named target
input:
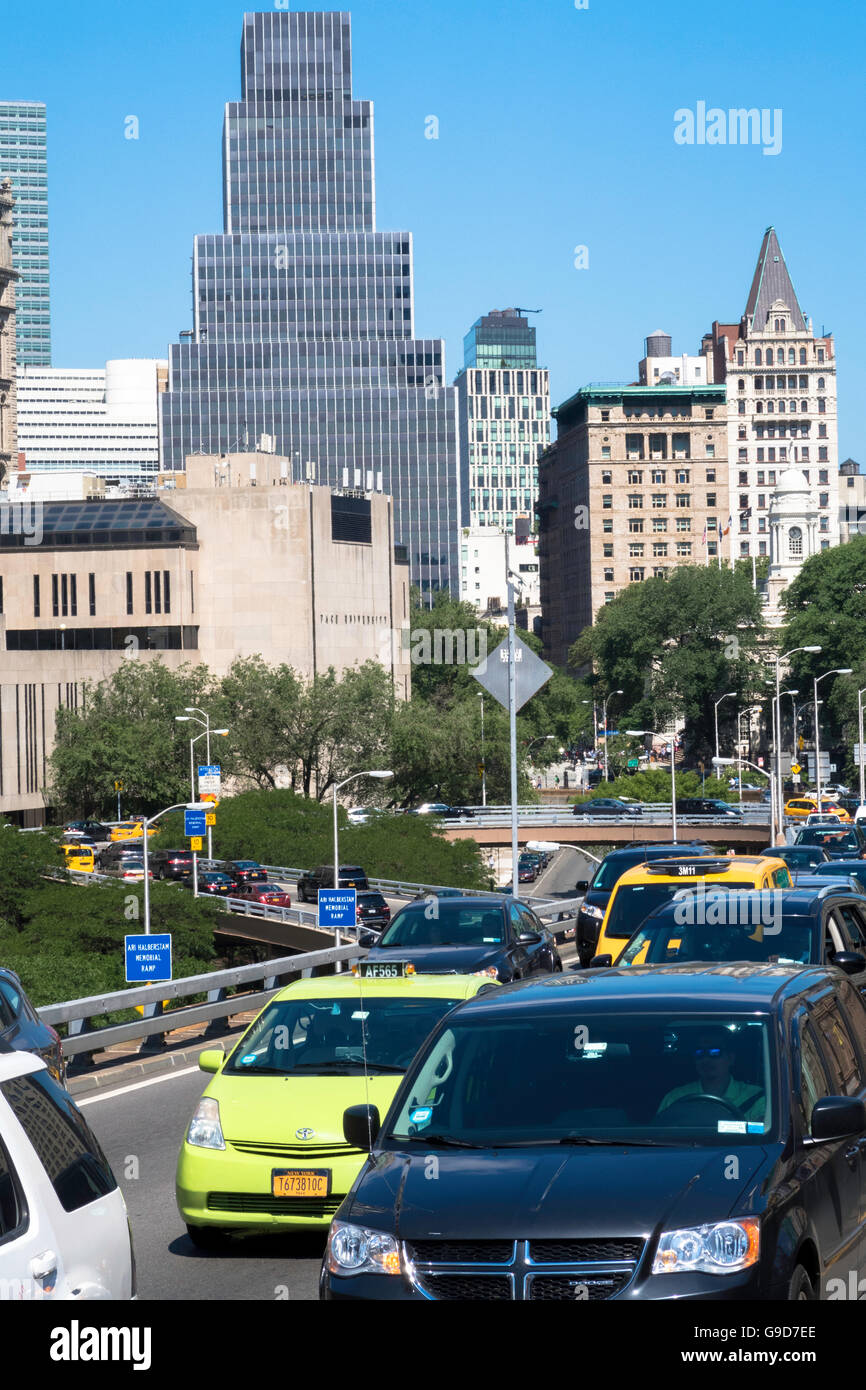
(64, 1231)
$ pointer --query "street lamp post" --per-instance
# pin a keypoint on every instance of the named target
(837, 671)
(641, 733)
(604, 716)
(752, 709)
(777, 741)
(483, 759)
(727, 696)
(860, 694)
(181, 806)
(382, 776)
(777, 724)
(187, 718)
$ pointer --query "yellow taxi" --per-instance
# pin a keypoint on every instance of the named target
(131, 830)
(80, 859)
(645, 887)
(799, 807)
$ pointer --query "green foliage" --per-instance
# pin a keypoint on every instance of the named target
(654, 784)
(23, 857)
(280, 827)
(673, 645)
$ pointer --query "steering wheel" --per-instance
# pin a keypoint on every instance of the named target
(705, 1096)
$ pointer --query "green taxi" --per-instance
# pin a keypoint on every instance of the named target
(265, 1150)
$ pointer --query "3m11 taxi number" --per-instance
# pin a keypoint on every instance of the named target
(310, 1182)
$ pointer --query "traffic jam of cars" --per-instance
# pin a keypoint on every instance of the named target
(581, 1116)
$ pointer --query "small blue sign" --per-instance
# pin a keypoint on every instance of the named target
(338, 907)
(209, 770)
(147, 958)
(194, 823)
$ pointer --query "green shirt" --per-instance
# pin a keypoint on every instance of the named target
(747, 1098)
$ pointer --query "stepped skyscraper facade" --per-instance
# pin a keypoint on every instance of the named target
(304, 313)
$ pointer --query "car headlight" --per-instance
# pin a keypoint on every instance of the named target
(591, 910)
(725, 1247)
(205, 1130)
(357, 1250)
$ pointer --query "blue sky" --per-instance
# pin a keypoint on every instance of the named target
(555, 130)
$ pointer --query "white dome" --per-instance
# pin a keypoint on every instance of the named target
(792, 480)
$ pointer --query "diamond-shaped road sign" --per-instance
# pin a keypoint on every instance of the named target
(530, 673)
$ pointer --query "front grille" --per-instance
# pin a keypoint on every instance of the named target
(591, 1288)
(557, 1252)
(463, 1251)
(484, 1288)
(295, 1150)
(266, 1205)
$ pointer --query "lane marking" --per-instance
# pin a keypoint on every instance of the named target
(137, 1086)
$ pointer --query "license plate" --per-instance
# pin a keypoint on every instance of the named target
(301, 1182)
(384, 970)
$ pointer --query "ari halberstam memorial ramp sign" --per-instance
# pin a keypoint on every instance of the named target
(530, 673)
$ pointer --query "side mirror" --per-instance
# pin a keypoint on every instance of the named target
(838, 1117)
(601, 962)
(582, 885)
(211, 1059)
(852, 962)
(361, 1126)
(528, 938)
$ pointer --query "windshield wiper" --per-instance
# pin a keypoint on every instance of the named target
(445, 1141)
(382, 1066)
(257, 1071)
(613, 1143)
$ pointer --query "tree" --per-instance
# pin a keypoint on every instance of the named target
(673, 645)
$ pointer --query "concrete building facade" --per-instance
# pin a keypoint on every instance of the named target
(852, 500)
(635, 485)
(297, 574)
(24, 161)
(94, 420)
(781, 386)
(8, 277)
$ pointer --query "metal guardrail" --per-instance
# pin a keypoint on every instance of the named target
(79, 1014)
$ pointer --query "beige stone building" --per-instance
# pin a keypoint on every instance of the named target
(235, 563)
(8, 277)
(636, 484)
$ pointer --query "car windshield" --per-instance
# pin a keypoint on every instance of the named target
(794, 857)
(614, 1078)
(721, 926)
(443, 923)
(634, 902)
(336, 1036)
(829, 838)
(246, 864)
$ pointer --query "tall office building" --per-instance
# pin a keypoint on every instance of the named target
(303, 312)
(8, 424)
(781, 385)
(23, 159)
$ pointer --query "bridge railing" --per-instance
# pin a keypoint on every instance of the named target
(227, 993)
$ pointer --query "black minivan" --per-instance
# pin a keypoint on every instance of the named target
(697, 1133)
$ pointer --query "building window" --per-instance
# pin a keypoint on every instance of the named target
(606, 478)
(605, 415)
(166, 591)
(683, 499)
(658, 446)
(660, 548)
(636, 574)
(820, 354)
(708, 413)
(823, 475)
(659, 501)
(711, 475)
(91, 594)
(711, 499)
(605, 451)
(607, 525)
(191, 592)
(823, 499)
(744, 478)
(822, 455)
(36, 609)
(635, 501)
(660, 523)
(659, 475)
(607, 500)
(742, 456)
(684, 523)
(55, 596)
(758, 357)
(609, 596)
(822, 405)
(635, 525)
(762, 523)
(148, 604)
(635, 550)
(741, 407)
(684, 548)
(608, 576)
(709, 451)
(634, 446)
(129, 591)
(822, 431)
(824, 524)
(762, 501)
(683, 475)
(607, 550)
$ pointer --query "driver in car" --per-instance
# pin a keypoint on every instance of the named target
(714, 1059)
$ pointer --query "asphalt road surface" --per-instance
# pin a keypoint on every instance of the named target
(141, 1126)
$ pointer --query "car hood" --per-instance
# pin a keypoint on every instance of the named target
(441, 960)
(259, 1108)
(556, 1192)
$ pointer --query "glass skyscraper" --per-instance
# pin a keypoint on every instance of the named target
(23, 159)
(502, 338)
(303, 312)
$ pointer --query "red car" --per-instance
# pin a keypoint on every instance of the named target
(271, 893)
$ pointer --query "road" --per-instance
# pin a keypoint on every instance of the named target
(141, 1138)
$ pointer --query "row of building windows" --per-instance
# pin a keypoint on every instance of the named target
(661, 446)
(659, 524)
(771, 356)
(511, 408)
(508, 383)
(64, 594)
(791, 383)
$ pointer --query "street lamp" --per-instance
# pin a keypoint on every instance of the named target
(483, 759)
(205, 722)
(727, 696)
(594, 723)
(382, 776)
(604, 715)
(181, 806)
(837, 671)
(641, 733)
(777, 740)
(741, 714)
(860, 694)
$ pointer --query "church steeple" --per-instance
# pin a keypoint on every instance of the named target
(770, 286)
